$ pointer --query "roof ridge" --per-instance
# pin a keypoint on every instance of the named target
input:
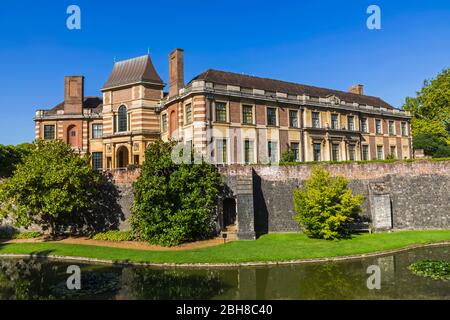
(288, 82)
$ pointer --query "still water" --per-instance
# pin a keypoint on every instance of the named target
(44, 279)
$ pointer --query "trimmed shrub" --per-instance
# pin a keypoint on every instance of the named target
(114, 236)
(326, 206)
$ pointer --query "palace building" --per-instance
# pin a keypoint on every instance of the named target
(228, 117)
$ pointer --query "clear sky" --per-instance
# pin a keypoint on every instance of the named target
(321, 43)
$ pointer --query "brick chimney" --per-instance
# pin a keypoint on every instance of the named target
(176, 72)
(73, 94)
(357, 89)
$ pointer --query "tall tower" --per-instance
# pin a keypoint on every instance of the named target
(130, 121)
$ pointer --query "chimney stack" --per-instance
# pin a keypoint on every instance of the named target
(176, 72)
(73, 94)
(357, 89)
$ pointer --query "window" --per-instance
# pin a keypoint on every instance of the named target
(221, 151)
(335, 152)
(378, 126)
(271, 116)
(248, 152)
(295, 148)
(351, 123)
(273, 151)
(293, 118)
(351, 152)
(188, 114)
(380, 152)
(364, 125)
(49, 132)
(136, 160)
(365, 152)
(164, 123)
(393, 153)
(122, 119)
(391, 127)
(97, 161)
(73, 133)
(316, 120)
(404, 130)
(334, 121)
(247, 114)
(97, 131)
(221, 112)
(317, 152)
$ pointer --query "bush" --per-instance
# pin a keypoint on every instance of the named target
(174, 203)
(114, 236)
(14, 234)
(438, 270)
(288, 157)
(325, 206)
(433, 145)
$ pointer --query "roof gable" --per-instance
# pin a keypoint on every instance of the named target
(136, 70)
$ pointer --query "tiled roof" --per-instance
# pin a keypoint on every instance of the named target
(94, 103)
(132, 71)
(246, 81)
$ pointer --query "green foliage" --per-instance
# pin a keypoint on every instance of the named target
(14, 234)
(57, 189)
(432, 144)
(114, 236)
(430, 109)
(288, 157)
(438, 270)
(325, 206)
(174, 203)
(11, 156)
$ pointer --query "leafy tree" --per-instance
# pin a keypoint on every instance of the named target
(11, 156)
(325, 206)
(433, 145)
(430, 109)
(58, 190)
(288, 157)
(174, 203)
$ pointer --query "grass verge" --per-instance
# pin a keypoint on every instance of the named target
(273, 247)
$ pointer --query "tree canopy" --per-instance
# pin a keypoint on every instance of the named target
(174, 203)
(11, 156)
(56, 189)
(430, 109)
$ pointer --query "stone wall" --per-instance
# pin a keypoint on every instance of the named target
(401, 195)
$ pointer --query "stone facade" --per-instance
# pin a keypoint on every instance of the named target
(398, 196)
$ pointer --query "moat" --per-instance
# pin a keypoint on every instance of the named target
(44, 279)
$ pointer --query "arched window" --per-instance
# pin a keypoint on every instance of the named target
(122, 121)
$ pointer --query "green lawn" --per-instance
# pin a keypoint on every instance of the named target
(273, 247)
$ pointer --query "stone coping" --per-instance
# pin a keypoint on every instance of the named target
(226, 265)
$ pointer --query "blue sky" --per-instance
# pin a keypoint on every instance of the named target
(322, 43)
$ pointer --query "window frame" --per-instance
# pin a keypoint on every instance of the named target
(164, 122)
(96, 131)
(380, 147)
(251, 144)
(376, 126)
(296, 154)
(275, 114)
(337, 158)
(185, 113)
(53, 126)
(364, 146)
(251, 107)
(313, 120)
(335, 115)
(225, 104)
(364, 125)
(391, 132)
(291, 118)
(319, 158)
(94, 159)
(121, 121)
(351, 123)
(272, 145)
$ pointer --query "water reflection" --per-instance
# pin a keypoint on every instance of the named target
(43, 279)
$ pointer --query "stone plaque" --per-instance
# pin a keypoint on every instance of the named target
(381, 211)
